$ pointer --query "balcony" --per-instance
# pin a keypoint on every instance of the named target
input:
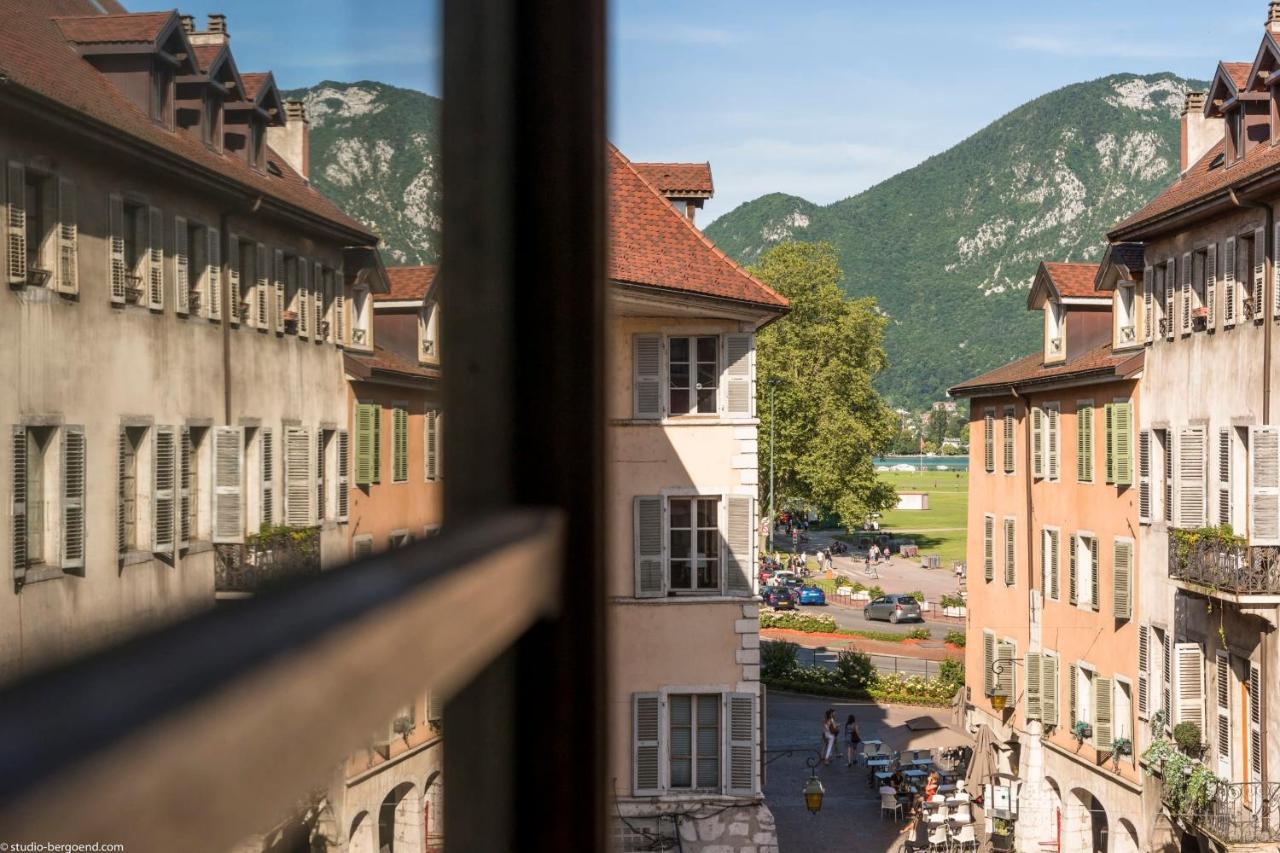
(1239, 813)
(1225, 563)
(267, 558)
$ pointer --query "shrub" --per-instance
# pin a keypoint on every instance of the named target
(952, 672)
(918, 634)
(778, 660)
(952, 601)
(854, 669)
(955, 638)
(794, 620)
(918, 595)
(876, 591)
(1187, 737)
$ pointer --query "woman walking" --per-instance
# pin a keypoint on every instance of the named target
(829, 732)
(852, 737)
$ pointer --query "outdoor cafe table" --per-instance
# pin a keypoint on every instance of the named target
(922, 762)
(878, 762)
(914, 773)
(946, 789)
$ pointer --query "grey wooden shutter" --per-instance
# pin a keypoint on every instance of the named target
(1006, 684)
(739, 529)
(297, 477)
(1275, 278)
(1229, 283)
(435, 707)
(1264, 485)
(740, 743)
(163, 499)
(1259, 272)
(1144, 477)
(1037, 442)
(115, 248)
(989, 440)
(302, 300)
(1144, 671)
(73, 496)
(651, 580)
(431, 441)
(267, 456)
(988, 655)
(1053, 421)
(1084, 444)
(1073, 706)
(1073, 546)
(1170, 308)
(16, 225)
(68, 239)
(1122, 578)
(739, 359)
(1186, 293)
(1211, 285)
(1148, 303)
(1191, 478)
(399, 445)
(339, 309)
(1166, 670)
(1054, 548)
(181, 267)
(1049, 690)
(362, 545)
(185, 454)
(1007, 429)
(988, 547)
(1033, 690)
(1190, 663)
(1103, 725)
(213, 281)
(234, 312)
(1222, 692)
(228, 493)
(1093, 572)
(1224, 475)
(1109, 419)
(317, 283)
(261, 284)
(18, 503)
(155, 260)
(646, 744)
(1010, 553)
(278, 277)
(1255, 722)
(646, 376)
(122, 491)
(344, 463)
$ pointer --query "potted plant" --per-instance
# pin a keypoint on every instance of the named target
(290, 321)
(1187, 737)
(402, 726)
(1120, 747)
(1081, 731)
(1001, 834)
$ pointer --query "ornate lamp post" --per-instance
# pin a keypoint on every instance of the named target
(998, 667)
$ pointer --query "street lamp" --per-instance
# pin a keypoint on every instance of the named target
(813, 789)
(998, 665)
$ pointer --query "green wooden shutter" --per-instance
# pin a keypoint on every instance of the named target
(1093, 572)
(364, 444)
(1071, 575)
(1122, 578)
(1072, 709)
(1110, 411)
(399, 445)
(1123, 442)
(1049, 690)
(377, 443)
(1037, 442)
(1006, 684)
(1084, 444)
(988, 655)
(1010, 554)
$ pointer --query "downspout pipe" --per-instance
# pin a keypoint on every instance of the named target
(249, 206)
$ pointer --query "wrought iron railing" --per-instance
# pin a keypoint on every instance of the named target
(268, 558)
(1230, 566)
(1240, 813)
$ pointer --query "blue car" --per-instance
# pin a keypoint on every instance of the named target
(812, 595)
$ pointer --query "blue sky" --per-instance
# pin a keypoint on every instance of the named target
(819, 98)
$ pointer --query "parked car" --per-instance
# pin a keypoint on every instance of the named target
(895, 608)
(779, 598)
(786, 578)
(812, 595)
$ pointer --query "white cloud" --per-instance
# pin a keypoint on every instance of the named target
(1094, 45)
(659, 33)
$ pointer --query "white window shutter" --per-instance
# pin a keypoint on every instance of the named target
(1053, 421)
(73, 497)
(988, 547)
(68, 239)
(1049, 690)
(739, 359)
(1224, 475)
(1093, 572)
(297, 477)
(1010, 553)
(1073, 581)
(321, 479)
(1006, 684)
(344, 465)
(278, 282)
(1103, 725)
(1229, 283)
(1122, 578)
(1222, 693)
(1144, 477)
(1170, 307)
(651, 575)
(1264, 485)
(228, 491)
(1033, 692)
(1144, 672)
(1186, 293)
(1073, 693)
(739, 562)
(1211, 285)
(646, 376)
(16, 225)
(18, 505)
(213, 281)
(1191, 478)
(302, 301)
(181, 267)
(1259, 272)
(988, 655)
(317, 284)
(233, 280)
(1054, 556)
(155, 260)
(740, 745)
(1190, 664)
(1148, 303)
(646, 744)
(163, 500)
(267, 458)
(1037, 441)
(115, 248)
(989, 440)
(185, 453)
(1007, 428)
(261, 286)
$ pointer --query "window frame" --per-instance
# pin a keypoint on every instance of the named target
(695, 557)
(693, 340)
(696, 700)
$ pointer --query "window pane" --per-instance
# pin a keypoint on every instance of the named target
(679, 402)
(706, 375)
(708, 747)
(708, 543)
(681, 513)
(680, 542)
(681, 741)
(707, 401)
(679, 376)
(708, 574)
(707, 516)
(707, 349)
(681, 575)
(679, 349)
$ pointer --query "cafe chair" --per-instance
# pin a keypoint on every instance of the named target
(938, 840)
(938, 816)
(965, 839)
(889, 803)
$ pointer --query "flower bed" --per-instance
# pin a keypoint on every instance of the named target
(814, 623)
(855, 677)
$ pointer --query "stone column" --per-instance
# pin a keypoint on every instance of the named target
(1035, 798)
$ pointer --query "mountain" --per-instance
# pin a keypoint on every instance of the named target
(949, 248)
(375, 150)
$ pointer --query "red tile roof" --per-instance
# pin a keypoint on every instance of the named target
(1031, 370)
(1239, 72)
(36, 57)
(408, 284)
(206, 54)
(253, 81)
(676, 178)
(387, 361)
(651, 244)
(1073, 279)
(102, 29)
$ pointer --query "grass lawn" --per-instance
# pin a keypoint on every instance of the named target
(945, 520)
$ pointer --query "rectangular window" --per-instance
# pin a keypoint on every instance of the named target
(1165, 448)
(1053, 439)
(1244, 275)
(130, 442)
(1010, 553)
(693, 371)
(368, 423)
(694, 544)
(1008, 439)
(197, 268)
(134, 231)
(191, 472)
(1084, 441)
(162, 94)
(431, 444)
(247, 254)
(694, 726)
(40, 217)
(322, 473)
(989, 440)
(399, 444)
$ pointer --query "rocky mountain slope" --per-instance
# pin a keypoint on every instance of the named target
(949, 247)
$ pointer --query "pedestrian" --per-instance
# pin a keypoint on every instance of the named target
(931, 785)
(829, 732)
(852, 737)
(867, 569)
(874, 552)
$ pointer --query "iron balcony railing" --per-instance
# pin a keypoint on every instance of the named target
(270, 558)
(1234, 567)
(1240, 813)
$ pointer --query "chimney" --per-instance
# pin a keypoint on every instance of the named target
(1199, 134)
(217, 23)
(188, 24)
(293, 141)
(216, 34)
(1273, 17)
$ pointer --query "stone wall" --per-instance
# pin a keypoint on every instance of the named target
(727, 828)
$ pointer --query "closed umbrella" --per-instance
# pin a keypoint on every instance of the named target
(983, 763)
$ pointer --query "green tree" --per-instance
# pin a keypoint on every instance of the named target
(819, 362)
(936, 428)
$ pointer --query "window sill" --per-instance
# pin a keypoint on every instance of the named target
(197, 546)
(42, 572)
(686, 599)
(133, 557)
(702, 420)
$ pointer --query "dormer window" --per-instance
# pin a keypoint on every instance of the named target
(1054, 331)
(211, 122)
(1126, 314)
(428, 332)
(1235, 128)
(162, 94)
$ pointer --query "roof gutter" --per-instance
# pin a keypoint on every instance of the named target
(1268, 294)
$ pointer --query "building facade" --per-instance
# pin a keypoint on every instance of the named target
(1052, 662)
(685, 693)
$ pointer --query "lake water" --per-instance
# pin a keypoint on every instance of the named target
(931, 463)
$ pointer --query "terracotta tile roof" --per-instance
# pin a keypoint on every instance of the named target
(1239, 72)
(1031, 370)
(102, 29)
(36, 57)
(650, 244)
(253, 81)
(1072, 279)
(205, 55)
(408, 284)
(677, 178)
(387, 361)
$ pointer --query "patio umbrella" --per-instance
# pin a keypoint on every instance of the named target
(983, 763)
(958, 706)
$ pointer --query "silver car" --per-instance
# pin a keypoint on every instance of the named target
(894, 608)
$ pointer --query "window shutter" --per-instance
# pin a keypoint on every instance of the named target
(988, 547)
(1093, 572)
(399, 445)
(435, 707)
(651, 576)
(1211, 285)
(1122, 441)
(739, 358)
(1170, 282)
(319, 481)
(1006, 684)
(1229, 283)
(339, 311)
(228, 472)
(1037, 442)
(163, 474)
(297, 477)
(16, 227)
(214, 278)
(989, 440)
(1186, 293)
(364, 443)
(186, 452)
(267, 455)
(1264, 485)
(1144, 672)
(303, 299)
(1259, 272)
(122, 497)
(233, 279)
(181, 264)
(1073, 545)
(988, 655)
(1084, 443)
(363, 546)
(741, 747)
(1053, 564)
(1224, 475)
(18, 503)
(115, 247)
(1109, 441)
(1010, 555)
(1103, 738)
(646, 743)
(1007, 429)
(1144, 477)
(262, 282)
(646, 376)
(1255, 721)
(278, 283)
(344, 462)
(1122, 578)
(73, 474)
(739, 536)
(377, 443)
(317, 285)
(1166, 656)
(155, 260)
(1049, 690)
(1222, 685)
(1073, 707)
(1190, 661)
(1148, 303)
(1191, 478)
(68, 238)
(431, 440)
(1052, 415)
(1034, 702)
